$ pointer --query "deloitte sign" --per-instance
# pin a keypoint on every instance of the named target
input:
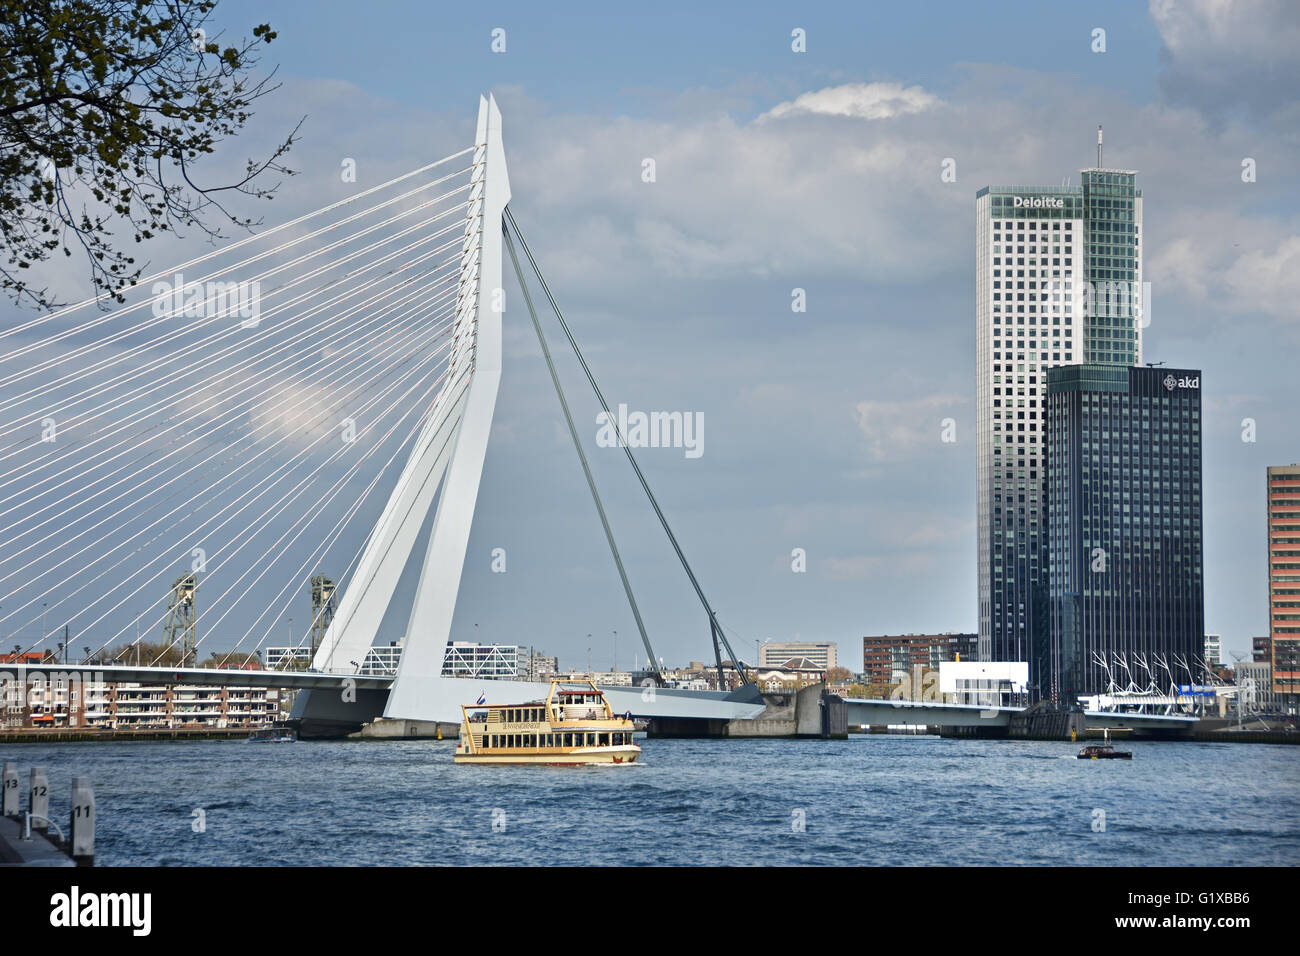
(1038, 202)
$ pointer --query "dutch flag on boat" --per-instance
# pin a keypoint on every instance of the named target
(482, 699)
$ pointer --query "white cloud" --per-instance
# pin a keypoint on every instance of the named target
(1209, 267)
(899, 430)
(1224, 54)
(1269, 281)
(869, 101)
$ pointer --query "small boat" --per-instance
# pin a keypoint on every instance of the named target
(1104, 751)
(272, 736)
(575, 725)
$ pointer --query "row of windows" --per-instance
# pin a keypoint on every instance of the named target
(535, 741)
(1020, 225)
(1033, 320)
(522, 715)
(1020, 261)
(1034, 263)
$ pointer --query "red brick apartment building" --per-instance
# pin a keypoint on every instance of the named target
(885, 657)
(1284, 578)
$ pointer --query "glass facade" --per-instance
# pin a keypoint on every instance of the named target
(1112, 222)
(1058, 279)
(1124, 525)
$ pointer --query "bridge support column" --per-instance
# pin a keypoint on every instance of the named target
(1043, 723)
(328, 715)
(810, 713)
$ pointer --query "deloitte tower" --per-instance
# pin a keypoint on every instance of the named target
(1057, 269)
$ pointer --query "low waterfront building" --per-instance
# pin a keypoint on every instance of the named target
(1213, 650)
(776, 653)
(65, 701)
(797, 673)
(26, 657)
(604, 678)
(539, 667)
(890, 658)
(1254, 680)
(1261, 649)
(489, 661)
(988, 683)
(382, 659)
(287, 658)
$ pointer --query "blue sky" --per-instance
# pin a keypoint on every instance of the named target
(820, 170)
(586, 55)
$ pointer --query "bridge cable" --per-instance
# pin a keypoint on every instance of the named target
(186, 331)
(338, 529)
(253, 238)
(717, 631)
(302, 524)
(285, 469)
(227, 418)
(141, 416)
(582, 456)
(263, 521)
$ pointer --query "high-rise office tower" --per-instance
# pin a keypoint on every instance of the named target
(1058, 280)
(1284, 581)
(1124, 506)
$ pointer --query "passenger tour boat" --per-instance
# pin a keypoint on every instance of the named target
(574, 725)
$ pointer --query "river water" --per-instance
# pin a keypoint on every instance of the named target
(868, 800)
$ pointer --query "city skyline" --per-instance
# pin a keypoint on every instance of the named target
(455, 437)
(824, 431)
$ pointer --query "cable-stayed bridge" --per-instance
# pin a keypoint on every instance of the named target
(303, 400)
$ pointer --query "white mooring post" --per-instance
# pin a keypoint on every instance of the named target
(81, 830)
(9, 807)
(38, 799)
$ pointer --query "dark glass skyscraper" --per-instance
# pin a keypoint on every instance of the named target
(1124, 523)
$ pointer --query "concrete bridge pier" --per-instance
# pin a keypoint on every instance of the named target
(1045, 722)
(810, 713)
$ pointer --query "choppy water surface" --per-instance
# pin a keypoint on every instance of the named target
(867, 800)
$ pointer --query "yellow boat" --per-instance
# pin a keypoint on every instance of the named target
(574, 725)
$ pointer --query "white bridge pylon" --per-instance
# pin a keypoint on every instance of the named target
(450, 450)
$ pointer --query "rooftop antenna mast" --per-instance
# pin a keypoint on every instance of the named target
(1099, 146)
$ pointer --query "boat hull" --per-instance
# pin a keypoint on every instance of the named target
(576, 757)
